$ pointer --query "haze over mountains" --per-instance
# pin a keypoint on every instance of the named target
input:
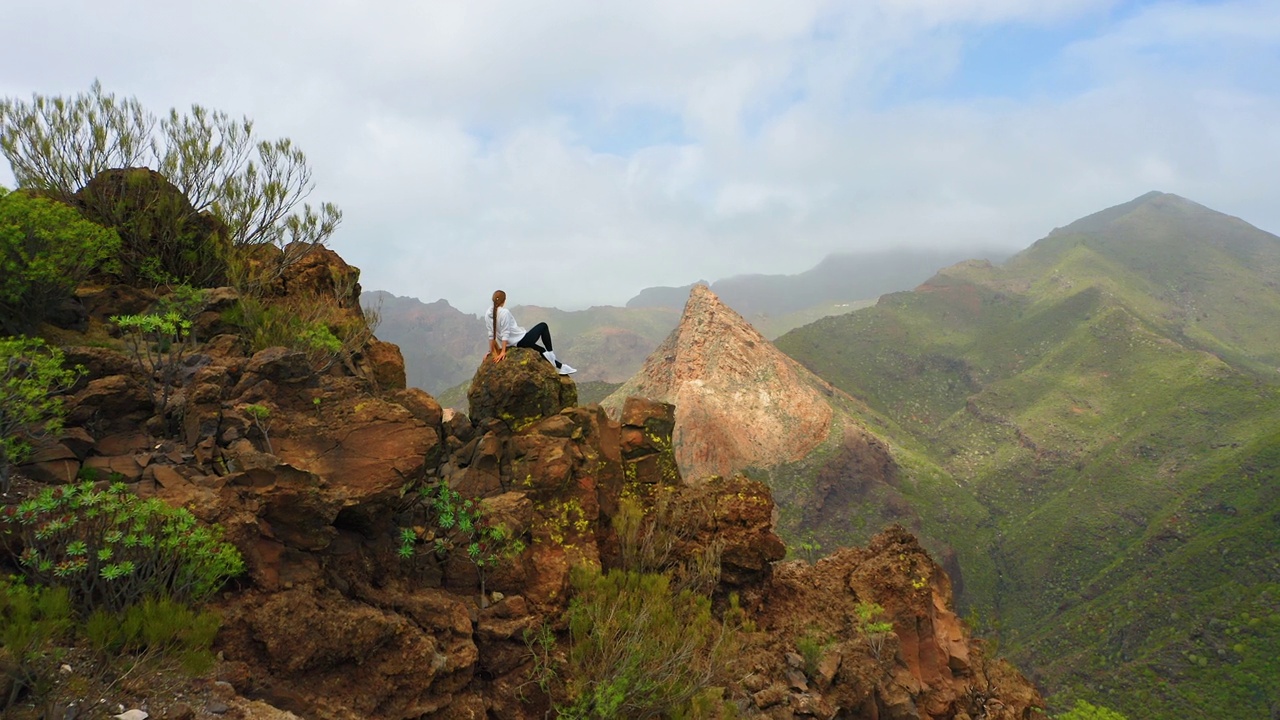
(442, 345)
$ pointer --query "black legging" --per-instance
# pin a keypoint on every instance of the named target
(536, 333)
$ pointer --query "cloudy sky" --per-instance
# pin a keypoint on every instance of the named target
(573, 152)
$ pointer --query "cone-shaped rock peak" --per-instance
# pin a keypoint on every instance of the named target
(740, 402)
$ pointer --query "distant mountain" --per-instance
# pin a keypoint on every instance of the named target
(744, 407)
(1110, 400)
(840, 278)
(441, 345)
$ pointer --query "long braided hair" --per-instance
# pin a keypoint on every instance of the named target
(499, 297)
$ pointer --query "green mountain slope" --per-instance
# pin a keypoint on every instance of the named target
(1109, 398)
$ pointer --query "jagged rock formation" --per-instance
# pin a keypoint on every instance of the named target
(743, 406)
(331, 622)
(740, 403)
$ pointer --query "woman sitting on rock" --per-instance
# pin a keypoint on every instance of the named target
(504, 331)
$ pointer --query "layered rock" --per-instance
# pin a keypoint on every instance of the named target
(740, 402)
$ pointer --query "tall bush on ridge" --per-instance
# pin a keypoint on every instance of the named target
(31, 378)
(46, 248)
(256, 187)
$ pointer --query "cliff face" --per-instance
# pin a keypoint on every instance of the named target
(330, 621)
(739, 402)
(744, 406)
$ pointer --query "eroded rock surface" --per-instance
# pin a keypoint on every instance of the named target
(740, 403)
(331, 622)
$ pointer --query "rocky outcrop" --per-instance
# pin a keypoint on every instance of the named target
(740, 402)
(926, 667)
(519, 389)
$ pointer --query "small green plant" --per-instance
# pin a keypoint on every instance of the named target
(154, 631)
(110, 549)
(875, 631)
(639, 649)
(811, 645)
(1086, 711)
(812, 550)
(261, 416)
(157, 342)
(315, 402)
(32, 621)
(463, 526)
(31, 378)
(541, 643)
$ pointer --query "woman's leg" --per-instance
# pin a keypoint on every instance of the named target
(539, 332)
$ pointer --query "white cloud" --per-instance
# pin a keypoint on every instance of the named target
(484, 144)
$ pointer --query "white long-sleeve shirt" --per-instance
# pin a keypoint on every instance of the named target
(508, 329)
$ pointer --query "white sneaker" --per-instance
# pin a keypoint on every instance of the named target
(566, 370)
(550, 356)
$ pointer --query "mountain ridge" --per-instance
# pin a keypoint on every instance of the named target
(1103, 396)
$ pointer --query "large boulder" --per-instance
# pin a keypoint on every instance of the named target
(162, 236)
(520, 390)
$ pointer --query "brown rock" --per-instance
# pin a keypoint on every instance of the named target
(129, 467)
(53, 472)
(114, 397)
(422, 406)
(279, 365)
(99, 362)
(740, 402)
(77, 440)
(371, 454)
(386, 365)
(122, 299)
(770, 696)
(123, 443)
(520, 390)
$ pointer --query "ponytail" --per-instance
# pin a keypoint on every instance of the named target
(499, 297)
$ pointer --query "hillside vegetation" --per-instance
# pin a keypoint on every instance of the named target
(1109, 399)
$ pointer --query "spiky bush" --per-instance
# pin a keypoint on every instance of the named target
(111, 549)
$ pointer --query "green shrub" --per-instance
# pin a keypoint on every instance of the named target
(638, 648)
(32, 622)
(163, 239)
(1086, 711)
(111, 549)
(157, 342)
(46, 249)
(648, 539)
(876, 632)
(31, 377)
(811, 645)
(156, 630)
(462, 525)
(298, 324)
